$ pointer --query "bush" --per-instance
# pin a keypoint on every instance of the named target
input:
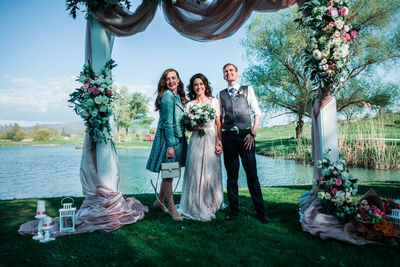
(19, 136)
(41, 135)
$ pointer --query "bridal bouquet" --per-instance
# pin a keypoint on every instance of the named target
(330, 34)
(199, 114)
(92, 101)
(336, 188)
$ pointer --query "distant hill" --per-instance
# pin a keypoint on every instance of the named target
(74, 128)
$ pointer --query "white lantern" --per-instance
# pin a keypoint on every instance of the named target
(67, 216)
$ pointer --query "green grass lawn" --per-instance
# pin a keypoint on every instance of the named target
(157, 240)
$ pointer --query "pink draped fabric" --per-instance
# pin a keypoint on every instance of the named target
(104, 207)
(216, 20)
(201, 21)
(106, 211)
(122, 22)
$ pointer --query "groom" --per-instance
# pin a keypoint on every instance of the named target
(238, 140)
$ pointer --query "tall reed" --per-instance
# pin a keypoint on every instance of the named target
(364, 145)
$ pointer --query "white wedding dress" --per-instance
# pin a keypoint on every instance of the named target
(202, 189)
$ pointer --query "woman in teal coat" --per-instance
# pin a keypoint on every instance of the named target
(170, 142)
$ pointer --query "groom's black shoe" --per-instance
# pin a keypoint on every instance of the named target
(263, 219)
(231, 216)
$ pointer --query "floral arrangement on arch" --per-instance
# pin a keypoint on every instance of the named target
(330, 33)
(92, 101)
(336, 188)
(199, 114)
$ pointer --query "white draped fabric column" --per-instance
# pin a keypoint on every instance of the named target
(99, 45)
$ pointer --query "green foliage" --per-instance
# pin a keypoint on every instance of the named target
(92, 5)
(41, 135)
(158, 240)
(275, 50)
(19, 136)
(138, 110)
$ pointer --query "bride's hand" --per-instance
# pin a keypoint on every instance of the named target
(198, 127)
(218, 149)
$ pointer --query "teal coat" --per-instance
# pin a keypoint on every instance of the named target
(171, 117)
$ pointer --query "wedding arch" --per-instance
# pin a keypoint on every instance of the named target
(206, 20)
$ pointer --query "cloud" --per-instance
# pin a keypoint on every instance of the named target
(25, 98)
(29, 99)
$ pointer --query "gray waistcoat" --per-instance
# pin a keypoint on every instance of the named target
(236, 110)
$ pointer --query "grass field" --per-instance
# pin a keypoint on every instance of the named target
(159, 241)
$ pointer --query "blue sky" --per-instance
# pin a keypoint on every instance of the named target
(43, 50)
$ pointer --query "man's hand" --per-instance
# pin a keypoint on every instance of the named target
(248, 142)
(170, 152)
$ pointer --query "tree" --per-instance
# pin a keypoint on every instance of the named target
(41, 135)
(385, 96)
(275, 48)
(121, 108)
(37, 128)
(138, 111)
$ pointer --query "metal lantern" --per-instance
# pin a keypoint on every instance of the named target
(67, 216)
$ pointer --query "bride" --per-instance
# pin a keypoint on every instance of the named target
(201, 189)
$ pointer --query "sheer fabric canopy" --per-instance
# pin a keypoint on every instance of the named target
(199, 21)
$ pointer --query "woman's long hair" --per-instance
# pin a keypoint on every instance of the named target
(162, 86)
(190, 88)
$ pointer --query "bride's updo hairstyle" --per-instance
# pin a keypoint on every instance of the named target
(190, 88)
(162, 86)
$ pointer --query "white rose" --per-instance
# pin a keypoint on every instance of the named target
(94, 113)
(103, 109)
(337, 34)
(317, 54)
(334, 13)
(346, 28)
(97, 99)
(325, 53)
(324, 61)
(336, 55)
(105, 100)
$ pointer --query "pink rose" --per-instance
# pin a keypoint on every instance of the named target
(353, 34)
(96, 91)
(397, 206)
(389, 199)
(346, 28)
(339, 26)
(347, 36)
(109, 92)
(343, 11)
(338, 181)
(337, 34)
(90, 90)
(332, 10)
(334, 191)
(86, 85)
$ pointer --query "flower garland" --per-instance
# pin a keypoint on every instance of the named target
(92, 101)
(330, 33)
(336, 188)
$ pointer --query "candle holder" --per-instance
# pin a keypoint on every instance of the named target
(40, 214)
(46, 228)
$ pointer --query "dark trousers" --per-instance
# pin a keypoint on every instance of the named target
(233, 148)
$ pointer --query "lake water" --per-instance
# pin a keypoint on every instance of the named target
(53, 171)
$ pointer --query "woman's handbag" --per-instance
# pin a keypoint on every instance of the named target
(170, 170)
